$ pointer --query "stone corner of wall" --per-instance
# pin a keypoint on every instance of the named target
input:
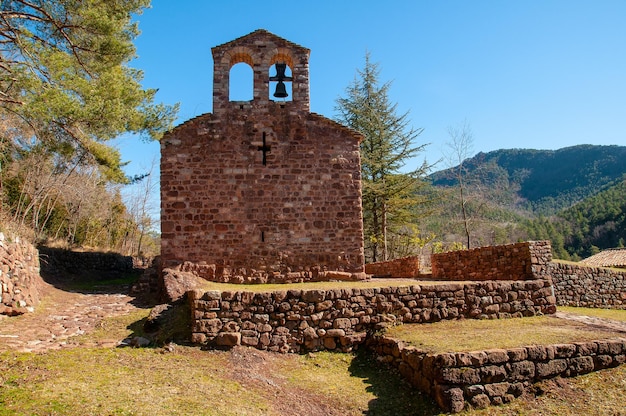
(21, 284)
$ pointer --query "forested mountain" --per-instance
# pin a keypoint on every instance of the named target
(544, 181)
(575, 196)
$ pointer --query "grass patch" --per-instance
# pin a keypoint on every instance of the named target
(189, 381)
(373, 283)
(614, 314)
(125, 381)
(472, 335)
(115, 328)
(358, 382)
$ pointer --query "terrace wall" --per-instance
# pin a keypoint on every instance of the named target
(341, 319)
(496, 376)
(521, 261)
(592, 287)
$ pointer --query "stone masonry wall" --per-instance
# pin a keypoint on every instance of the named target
(340, 319)
(496, 376)
(20, 282)
(406, 267)
(520, 261)
(56, 261)
(261, 188)
(591, 287)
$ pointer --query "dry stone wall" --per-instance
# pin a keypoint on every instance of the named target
(406, 267)
(20, 282)
(520, 261)
(592, 287)
(341, 319)
(496, 376)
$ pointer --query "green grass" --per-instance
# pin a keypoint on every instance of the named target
(472, 335)
(85, 381)
(189, 381)
(615, 314)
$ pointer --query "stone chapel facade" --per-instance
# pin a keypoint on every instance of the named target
(262, 188)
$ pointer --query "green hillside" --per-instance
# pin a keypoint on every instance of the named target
(575, 197)
(545, 181)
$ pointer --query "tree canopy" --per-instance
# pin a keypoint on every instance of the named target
(65, 83)
(66, 89)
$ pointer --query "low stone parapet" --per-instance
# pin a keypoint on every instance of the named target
(495, 376)
(406, 267)
(341, 319)
(521, 261)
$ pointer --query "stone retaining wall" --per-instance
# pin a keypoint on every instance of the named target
(340, 319)
(520, 261)
(56, 261)
(496, 376)
(406, 267)
(20, 282)
(592, 287)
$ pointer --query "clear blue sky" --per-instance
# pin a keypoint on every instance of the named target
(539, 74)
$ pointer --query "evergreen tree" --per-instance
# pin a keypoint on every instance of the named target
(389, 194)
(65, 83)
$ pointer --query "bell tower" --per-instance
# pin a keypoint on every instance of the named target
(262, 190)
(272, 59)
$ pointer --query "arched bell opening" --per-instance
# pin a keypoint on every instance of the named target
(281, 82)
(241, 82)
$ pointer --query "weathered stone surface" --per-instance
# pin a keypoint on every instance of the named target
(522, 370)
(551, 368)
(176, 284)
(20, 282)
(262, 191)
(580, 365)
(449, 399)
(594, 287)
(228, 339)
(506, 262)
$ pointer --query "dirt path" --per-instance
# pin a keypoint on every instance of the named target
(595, 323)
(60, 316)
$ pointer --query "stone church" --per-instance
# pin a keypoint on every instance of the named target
(262, 190)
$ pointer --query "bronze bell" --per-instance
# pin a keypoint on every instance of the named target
(281, 90)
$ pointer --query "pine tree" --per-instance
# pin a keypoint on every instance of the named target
(389, 193)
(65, 83)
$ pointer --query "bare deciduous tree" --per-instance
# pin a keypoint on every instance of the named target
(460, 147)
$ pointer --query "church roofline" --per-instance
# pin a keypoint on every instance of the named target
(262, 33)
(350, 131)
(314, 116)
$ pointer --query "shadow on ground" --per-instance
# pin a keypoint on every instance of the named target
(394, 396)
(108, 278)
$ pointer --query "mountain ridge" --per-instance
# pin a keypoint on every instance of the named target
(544, 181)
